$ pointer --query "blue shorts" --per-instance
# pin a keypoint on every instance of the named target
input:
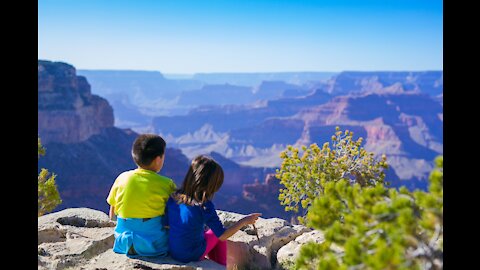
(149, 238)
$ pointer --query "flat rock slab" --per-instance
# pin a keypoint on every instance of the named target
(82, 238)
(111, 260)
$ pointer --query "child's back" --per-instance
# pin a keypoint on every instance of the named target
(186, 236)
(191, 208)
(140, 193)
(138, 199)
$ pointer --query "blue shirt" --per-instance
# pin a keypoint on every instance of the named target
(186, 239)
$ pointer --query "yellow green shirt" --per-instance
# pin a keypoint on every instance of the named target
(140, 193)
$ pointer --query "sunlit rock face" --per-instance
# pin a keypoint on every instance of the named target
(67, 110)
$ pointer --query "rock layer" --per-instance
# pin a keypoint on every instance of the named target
(82, 238)
(67, 110)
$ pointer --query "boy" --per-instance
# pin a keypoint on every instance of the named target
(138, 198)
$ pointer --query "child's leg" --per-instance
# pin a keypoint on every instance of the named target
(211, 240)
(216, 249)
(219, 253)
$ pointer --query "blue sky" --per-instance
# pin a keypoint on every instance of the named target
(181, 36)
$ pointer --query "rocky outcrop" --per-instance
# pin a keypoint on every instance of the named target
(260, 196)
(257, 190)
(245, 251)
(404, 127)
(287, 254)
(400, 122)
(83, 148)
(67, 111)
(82, 238)
(87, 152)
(86, 170)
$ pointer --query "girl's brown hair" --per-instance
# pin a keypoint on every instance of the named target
(203, 179)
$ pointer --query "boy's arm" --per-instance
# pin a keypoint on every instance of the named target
(111, 201)
(111, 214)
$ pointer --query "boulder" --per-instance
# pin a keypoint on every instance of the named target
(287, 254)
(82, 238)
(245, 251)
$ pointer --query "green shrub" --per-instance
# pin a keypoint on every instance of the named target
(306, 175)
(48, 196)
(377, 227)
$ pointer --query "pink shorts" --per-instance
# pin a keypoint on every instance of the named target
(216, 249)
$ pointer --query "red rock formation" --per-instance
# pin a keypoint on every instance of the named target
(67, 111)
(258, 190)
(87, 153)
(259, 197)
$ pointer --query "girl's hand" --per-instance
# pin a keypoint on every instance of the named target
(251, 219)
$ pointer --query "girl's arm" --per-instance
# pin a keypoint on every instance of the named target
(111, 214)
(250, 219)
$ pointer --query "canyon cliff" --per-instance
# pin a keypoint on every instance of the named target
(67, 110)
(87, 152)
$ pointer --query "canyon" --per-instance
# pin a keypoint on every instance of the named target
(88, 138)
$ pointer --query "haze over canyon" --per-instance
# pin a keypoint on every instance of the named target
(88, 120)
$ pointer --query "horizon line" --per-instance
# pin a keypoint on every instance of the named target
(260, 72)
(244, 72)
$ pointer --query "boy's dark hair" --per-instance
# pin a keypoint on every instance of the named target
(203, 179)
(146, 148)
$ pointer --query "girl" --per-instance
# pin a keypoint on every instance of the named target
(191, 207)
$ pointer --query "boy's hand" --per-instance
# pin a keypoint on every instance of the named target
(251, 219)
(111, 214)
